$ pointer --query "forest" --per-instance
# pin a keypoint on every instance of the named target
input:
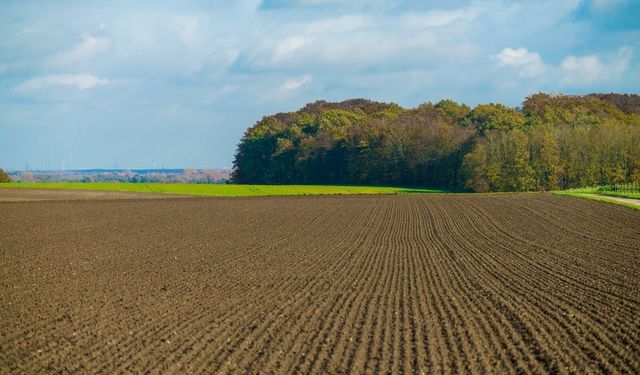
(551, 142)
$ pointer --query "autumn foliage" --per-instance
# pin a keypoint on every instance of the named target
(4, 177)
(552, 142)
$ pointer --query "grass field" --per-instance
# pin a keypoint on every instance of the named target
(633, 192)
(219, 190)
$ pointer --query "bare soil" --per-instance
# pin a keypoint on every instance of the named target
(23, 195)
(516, 283)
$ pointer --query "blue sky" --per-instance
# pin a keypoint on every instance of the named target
(95, 84)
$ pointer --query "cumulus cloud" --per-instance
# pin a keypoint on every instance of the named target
(351, 42)
(83, 51)
(527, 63)
(573, 70)
(77, 81)
(288, 46)
(591, 68)
(436, 18)
(587, 68)
(313, 44)
(404, 38)
(293, 84)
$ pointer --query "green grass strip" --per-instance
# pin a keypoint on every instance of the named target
(220, 190)
(620, 194)
(601, 198)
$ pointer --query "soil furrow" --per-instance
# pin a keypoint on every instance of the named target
(508, 283)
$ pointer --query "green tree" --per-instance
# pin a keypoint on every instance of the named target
(493, 116)
(548, 163)
(522, 170)
(557, 141)
(475, 169)
(457, 112)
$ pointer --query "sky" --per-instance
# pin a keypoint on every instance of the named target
(143, 84)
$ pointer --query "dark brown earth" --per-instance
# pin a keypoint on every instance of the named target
(530, 283)
(23, 195)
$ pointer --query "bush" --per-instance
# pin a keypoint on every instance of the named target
(4, 177)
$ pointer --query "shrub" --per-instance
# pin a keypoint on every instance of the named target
(4, 177)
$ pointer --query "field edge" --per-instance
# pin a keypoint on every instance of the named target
(597, 198)
(227, 190)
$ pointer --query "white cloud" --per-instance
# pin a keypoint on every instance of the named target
(352, 49)
(78, 81)
(436, 18)
(187, 29)
(361, 41)
(295, 83)
(83, 51)
(338, 24)
(326, 40)
(527, 63)
(621, 61)
(573, 70)
(287, 46)
(590, 68)
(587, 68)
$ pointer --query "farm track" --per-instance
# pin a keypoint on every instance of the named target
(515, 283)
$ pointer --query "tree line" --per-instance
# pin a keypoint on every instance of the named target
(187, 175)
(551, 142)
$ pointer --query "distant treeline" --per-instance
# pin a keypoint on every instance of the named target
(195, 176)
(551, 142)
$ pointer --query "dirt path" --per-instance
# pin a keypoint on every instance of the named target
(618, 199)
(513, 283)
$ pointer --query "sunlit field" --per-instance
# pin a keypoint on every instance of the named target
(219, 190)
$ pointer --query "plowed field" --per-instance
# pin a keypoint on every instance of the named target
(529, 283)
